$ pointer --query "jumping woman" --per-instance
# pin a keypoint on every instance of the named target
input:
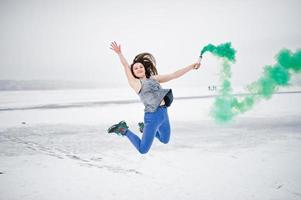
(143, 78)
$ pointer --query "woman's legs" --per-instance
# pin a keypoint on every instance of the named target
(143, 145)
(152, 122)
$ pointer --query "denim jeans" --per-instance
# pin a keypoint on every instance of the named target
(156, 124)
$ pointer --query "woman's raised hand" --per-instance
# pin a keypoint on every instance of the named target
(115, 47)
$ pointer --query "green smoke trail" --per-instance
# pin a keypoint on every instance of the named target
(226, 105)
(222, 50)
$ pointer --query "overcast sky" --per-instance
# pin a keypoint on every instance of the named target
(69, 40)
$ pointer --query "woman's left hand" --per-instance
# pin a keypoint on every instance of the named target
(196, 65)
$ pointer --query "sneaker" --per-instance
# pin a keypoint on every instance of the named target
(119, 128)
(141, 126)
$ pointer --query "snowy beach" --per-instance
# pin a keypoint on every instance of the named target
(65, 152)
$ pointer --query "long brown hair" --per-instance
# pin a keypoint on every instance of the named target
(149, 63)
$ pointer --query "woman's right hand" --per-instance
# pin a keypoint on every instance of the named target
(115, 47)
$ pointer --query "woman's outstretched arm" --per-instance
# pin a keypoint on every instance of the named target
(168, 77)
(134, 83)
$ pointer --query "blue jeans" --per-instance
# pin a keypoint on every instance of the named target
(156, 124)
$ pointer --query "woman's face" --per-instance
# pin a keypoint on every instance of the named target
(139, 70)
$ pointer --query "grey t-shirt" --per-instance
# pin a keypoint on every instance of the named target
(151, 94)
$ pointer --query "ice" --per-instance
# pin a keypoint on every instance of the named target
(66, 153)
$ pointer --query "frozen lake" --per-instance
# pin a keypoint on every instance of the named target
(65, 152)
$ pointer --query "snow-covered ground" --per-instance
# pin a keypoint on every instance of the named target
(65, 153)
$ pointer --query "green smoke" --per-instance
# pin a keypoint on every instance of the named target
(222, 50)
(226, 106)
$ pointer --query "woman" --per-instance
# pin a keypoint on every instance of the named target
(143, 77)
